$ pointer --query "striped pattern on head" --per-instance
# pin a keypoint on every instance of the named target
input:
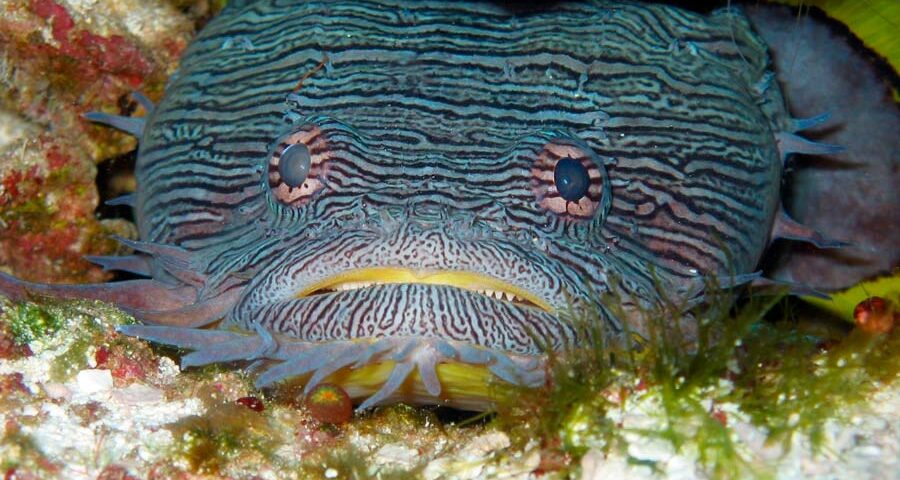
(433, 130)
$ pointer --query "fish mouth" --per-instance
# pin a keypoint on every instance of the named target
(486, 285)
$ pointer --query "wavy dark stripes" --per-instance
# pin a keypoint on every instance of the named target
(445, 105)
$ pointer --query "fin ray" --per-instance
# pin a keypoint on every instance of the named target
(789, 143)
(797, 289)
(788, 228)
(398, 375)
(126, 200)
(181, 263)
(129, 295)
(800, 124)
(131, 125)
(137, 264)
(144, 101)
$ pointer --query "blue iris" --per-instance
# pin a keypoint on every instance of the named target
(294, 164)
(572, 180)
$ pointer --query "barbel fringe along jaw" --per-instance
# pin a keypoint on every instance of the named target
(319, 360)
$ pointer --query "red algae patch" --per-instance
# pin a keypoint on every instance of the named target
(253, 403)
(329, 403)
(59, 60)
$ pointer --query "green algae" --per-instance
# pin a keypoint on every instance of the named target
(210, 443)
(791, 383)
(71, 327)
(29, 322)
(72, 360)
(758, 357)
(345, 463)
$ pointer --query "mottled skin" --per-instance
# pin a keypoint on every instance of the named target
(434, 129)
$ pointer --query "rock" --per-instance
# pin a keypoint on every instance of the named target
(93, 381)
(57, 391)
(138, 394)
(596, 466)
(396, 456)
(486, 444)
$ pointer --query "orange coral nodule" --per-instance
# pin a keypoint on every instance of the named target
(329, 403)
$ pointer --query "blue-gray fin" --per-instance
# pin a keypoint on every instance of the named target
(793, 288)
(137, 264)
(126, 200)
(301, 363)
(200, 312)
(144, 101)
(394, 381)
(129, 295)
(789, 143)
(427, 368)
(180, 263)
(503, 368)
(343, 359)
(739, 279)
(187, 338)
(209, 345)
(800, 124)
(788, 228)
(130, 125)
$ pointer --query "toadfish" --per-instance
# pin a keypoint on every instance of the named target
(385, 194)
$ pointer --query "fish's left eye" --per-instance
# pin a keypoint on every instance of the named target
(571, 179)
(294, 164)
(297, 166)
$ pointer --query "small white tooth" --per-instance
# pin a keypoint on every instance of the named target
(509, 296)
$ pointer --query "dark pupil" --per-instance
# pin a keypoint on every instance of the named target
(572, 180)
(294, 165)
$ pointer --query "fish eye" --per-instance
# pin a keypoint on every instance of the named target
(297, 166)
(294, 164)
(571, 179)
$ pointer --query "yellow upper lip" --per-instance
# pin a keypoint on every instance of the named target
(484, 284)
